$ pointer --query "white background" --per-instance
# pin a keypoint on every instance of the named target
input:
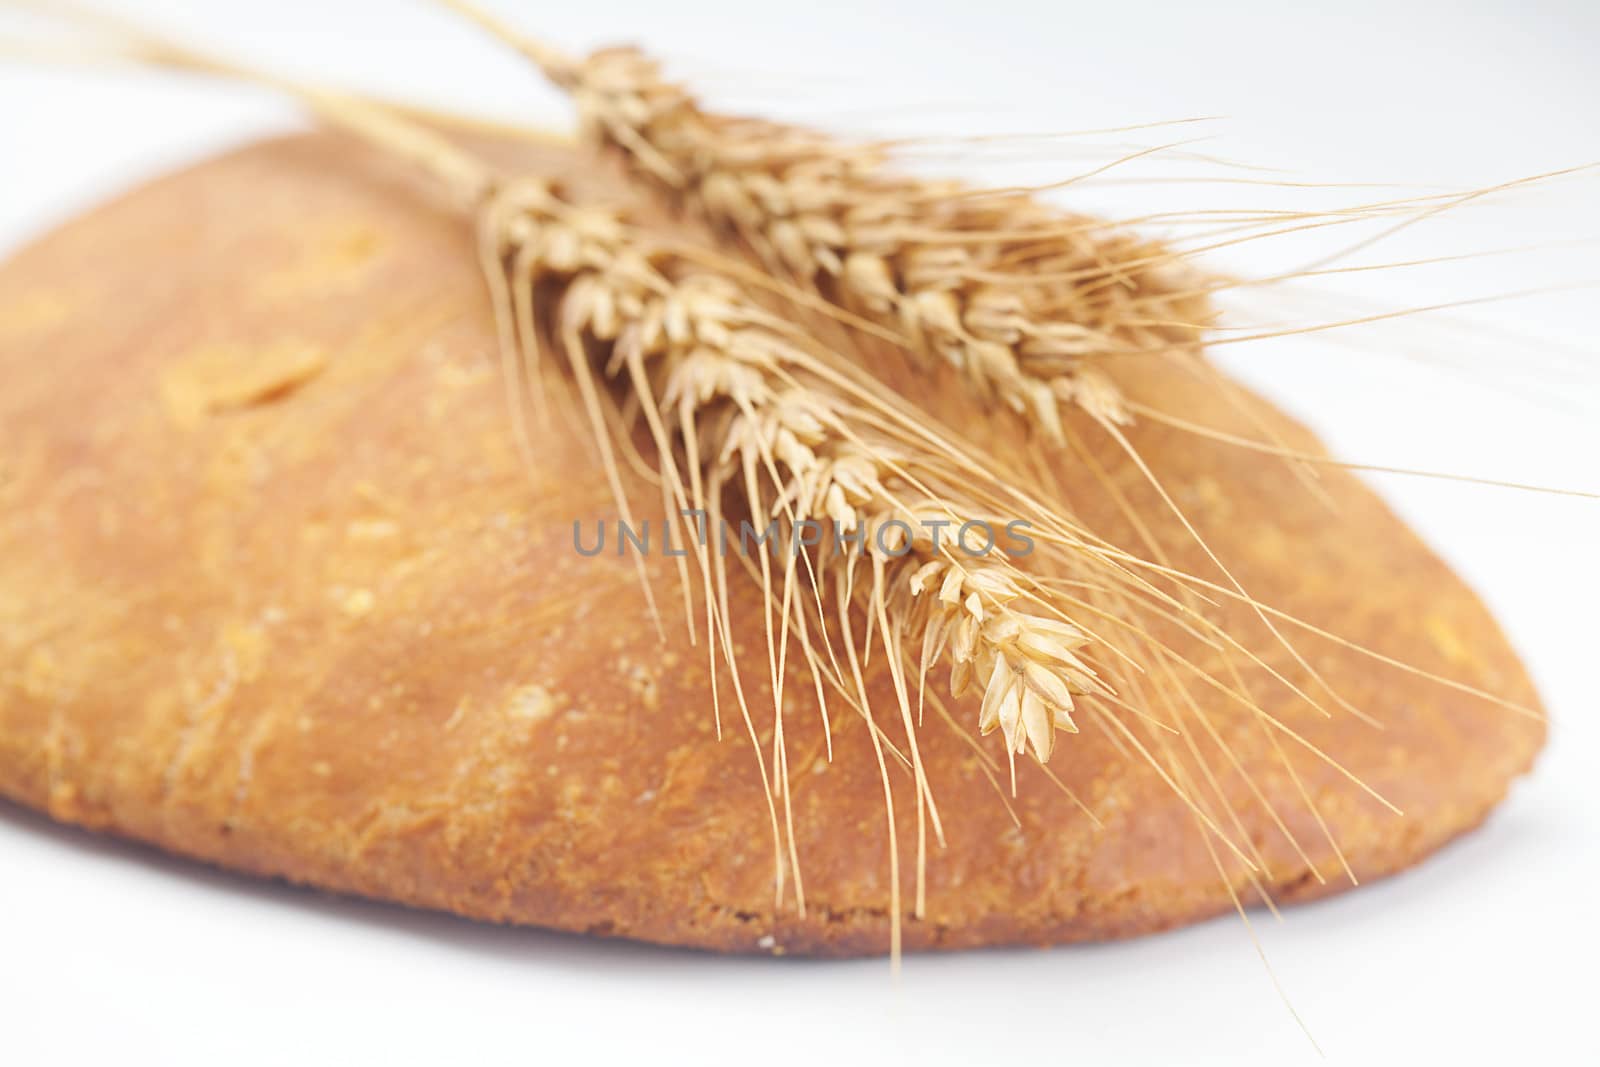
(1484, 954)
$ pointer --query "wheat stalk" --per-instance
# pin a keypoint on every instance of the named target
(1012, 292)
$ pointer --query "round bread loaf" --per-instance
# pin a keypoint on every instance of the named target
(277, 592)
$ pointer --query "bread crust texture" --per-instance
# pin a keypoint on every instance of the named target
(277, 592)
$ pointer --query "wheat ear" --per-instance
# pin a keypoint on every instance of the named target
(722, 379)
(1012, 292)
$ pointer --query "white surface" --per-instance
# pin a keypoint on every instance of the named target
(1484, 954)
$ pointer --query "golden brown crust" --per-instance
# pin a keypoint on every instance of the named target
(276, 593)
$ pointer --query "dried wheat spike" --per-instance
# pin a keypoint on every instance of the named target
(1014, 293)
(726, 384)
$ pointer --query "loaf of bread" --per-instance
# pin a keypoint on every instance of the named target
(277, 592)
